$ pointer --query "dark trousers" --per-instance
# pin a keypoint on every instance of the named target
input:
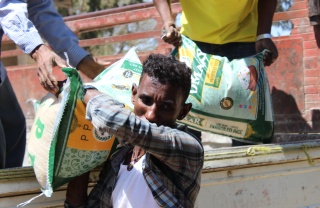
(231, 51)
(12, 127)
(314, 11)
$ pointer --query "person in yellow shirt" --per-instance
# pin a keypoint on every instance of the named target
(233, 28)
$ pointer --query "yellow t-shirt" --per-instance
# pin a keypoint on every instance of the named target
(220, 21)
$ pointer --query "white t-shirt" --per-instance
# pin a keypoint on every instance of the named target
(131, 190)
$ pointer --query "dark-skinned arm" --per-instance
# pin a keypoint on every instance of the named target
(266, 9)
(172, 35)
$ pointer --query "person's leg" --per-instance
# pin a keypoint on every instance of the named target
(2, 136)
(314, 11)
(13, 125)
(2, 145)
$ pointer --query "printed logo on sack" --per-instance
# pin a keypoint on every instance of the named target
(121, 87)
(194, 120)
(214, 73)
(199, 66)
(226, 103)
(127, 74)
(101, 137)
(40, 128)
(135, 67)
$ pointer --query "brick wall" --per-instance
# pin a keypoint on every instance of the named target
(294, 78)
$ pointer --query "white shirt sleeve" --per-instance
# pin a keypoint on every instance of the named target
(16, 25)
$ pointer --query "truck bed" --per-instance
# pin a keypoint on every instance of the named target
(274, 175)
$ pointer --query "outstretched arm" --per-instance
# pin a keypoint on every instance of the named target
(61, 39)
(171, 35)
(16, 25)
(266, 9)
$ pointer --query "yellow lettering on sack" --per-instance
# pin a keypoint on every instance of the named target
(186, 53)
(212, 71)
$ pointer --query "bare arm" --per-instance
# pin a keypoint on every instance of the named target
(266, 9)
(172, 35)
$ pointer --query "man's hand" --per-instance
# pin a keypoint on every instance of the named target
(270, 56)
(171, 34)
(46, 59)
(91, 67)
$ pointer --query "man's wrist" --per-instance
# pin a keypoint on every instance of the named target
(34, 50)
(263, 36)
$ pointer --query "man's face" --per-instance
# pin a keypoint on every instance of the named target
(158, 103)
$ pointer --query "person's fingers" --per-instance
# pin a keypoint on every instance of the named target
(174, 41)
(267, 59)
(50, 78)
(47, 87)
(271, 55)
(47, 79)
(274, 56)
(60, 84)
(42, 77)
(172, 32)
(177, 42)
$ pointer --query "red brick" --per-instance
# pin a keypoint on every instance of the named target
(298, 6)
(311, 81)
(310, 44)
(312, 105)
(290, 15)
(311, 89)
(305, 29)
(310, 52)
(312, 97)
(303, 1)
(310, 63)
(308, 36)
(302, 21)
(311, 72)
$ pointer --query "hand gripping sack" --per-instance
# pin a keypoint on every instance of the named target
(228, 98)
(62, 143)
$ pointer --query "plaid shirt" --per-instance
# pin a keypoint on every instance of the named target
(174, 158)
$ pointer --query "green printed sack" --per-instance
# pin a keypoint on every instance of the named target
(228, 98)
(62, 144)
(117, 79)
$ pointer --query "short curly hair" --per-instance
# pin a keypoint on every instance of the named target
(168, 70)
